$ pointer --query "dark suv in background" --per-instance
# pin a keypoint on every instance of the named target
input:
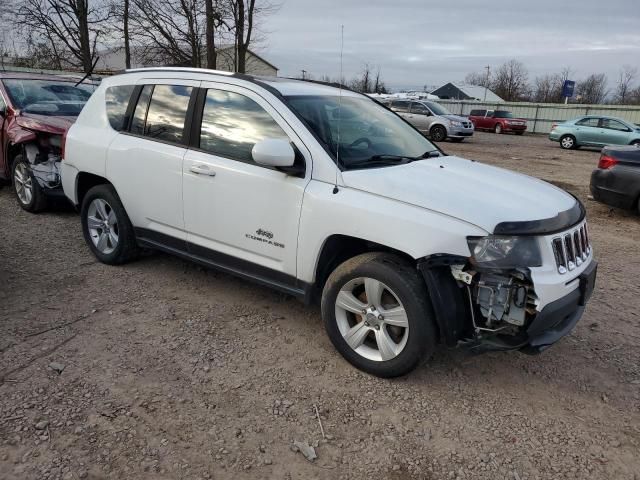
(35, 112)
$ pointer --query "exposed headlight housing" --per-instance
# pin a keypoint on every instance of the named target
(504, 252)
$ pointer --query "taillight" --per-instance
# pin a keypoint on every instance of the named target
(553, 126)
(606, 162)
(63, 144)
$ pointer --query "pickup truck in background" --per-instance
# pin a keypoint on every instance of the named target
(498, 121)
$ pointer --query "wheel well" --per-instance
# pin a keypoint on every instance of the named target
(85, 182)
(13, 150)
(339, 248)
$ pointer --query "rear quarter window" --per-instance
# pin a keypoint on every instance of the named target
(477, 113)
(117, 100)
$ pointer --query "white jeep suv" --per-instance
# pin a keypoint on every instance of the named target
(326, 195)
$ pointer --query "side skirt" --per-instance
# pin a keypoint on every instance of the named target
(225, 263)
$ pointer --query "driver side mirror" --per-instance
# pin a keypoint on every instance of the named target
(273, 152)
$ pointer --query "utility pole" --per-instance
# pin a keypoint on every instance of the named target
(304, 74)
(486, 84)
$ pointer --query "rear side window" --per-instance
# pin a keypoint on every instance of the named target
(588, 122)
(232, 124)
(477, 113)
(117, 101)
(167, 113)
(400, 106)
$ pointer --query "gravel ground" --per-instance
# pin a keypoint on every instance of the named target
(161, 369)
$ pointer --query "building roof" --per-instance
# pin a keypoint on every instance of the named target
(474, 92)
(262, 59)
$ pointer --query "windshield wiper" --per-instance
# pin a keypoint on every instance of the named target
(392, 159)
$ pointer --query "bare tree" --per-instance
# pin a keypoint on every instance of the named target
(593, 89)
(511, 81)
(624, 85)
(168, 31)
(480, 79)
(246, 15)
(217, 15)
(72, 28)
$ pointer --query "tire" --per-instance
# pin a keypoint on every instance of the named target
(636, 143)
(438, 133)
(106, 226)
(498, 128)
(456, 140)
(398, 287)
(28, 192)
(519, 133)
(568, 142)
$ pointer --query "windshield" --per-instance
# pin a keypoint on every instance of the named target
(48, 97)
(438, 109)
(360, 130)
(502, 115)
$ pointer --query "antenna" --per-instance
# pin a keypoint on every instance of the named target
(335, 186)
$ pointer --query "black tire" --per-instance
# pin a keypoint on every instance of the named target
(403, 279)
(636, 143)
(497, 129)
(568, 142)
(519, 133)
(127, 248)
(456, 140)
(438, 133)
(38, 201)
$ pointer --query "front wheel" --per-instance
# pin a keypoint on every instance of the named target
(377, 314)
(520, 133)
(568, 142)
(438, 133)
(498, 128)
(26, 187)
(106, 226)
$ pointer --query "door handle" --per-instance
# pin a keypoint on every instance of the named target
(202, 170)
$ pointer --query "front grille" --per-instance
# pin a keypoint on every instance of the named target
(571, 249)
(466, 124)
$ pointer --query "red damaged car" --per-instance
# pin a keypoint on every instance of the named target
(35, 113)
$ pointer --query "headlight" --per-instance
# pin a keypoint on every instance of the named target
(455, 124)
(504, 252)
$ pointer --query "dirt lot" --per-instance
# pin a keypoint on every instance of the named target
(172, 371)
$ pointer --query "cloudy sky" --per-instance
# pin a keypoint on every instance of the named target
(418, 42)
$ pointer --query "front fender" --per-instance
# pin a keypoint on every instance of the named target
(18, 134)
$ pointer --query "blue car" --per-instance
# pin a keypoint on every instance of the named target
(595, 131)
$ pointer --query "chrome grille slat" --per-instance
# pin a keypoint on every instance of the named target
(571, 249)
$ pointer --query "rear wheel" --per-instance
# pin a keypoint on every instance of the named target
(438, 133)
(106, 226)
(498, 128)
(27, 189)
(377, 314)
(568, 142)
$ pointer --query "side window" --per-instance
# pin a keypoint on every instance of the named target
(614, 125)
(117, 101)
(588, 122)
(477, 113)
(233, 123)
(419, 109)
(400, 106)
(489, 113)
(167, 112)
(140, 114)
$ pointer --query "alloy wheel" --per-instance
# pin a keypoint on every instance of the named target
(372, 319)
(23, 183)
(103, 226)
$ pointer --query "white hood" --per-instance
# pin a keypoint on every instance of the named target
(471, 191)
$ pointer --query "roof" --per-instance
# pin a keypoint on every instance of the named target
(283, 86)
(38, 76)
(262, 59)
(475, 92)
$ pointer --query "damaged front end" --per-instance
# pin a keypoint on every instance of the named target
(43, 158)
(488, 301)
